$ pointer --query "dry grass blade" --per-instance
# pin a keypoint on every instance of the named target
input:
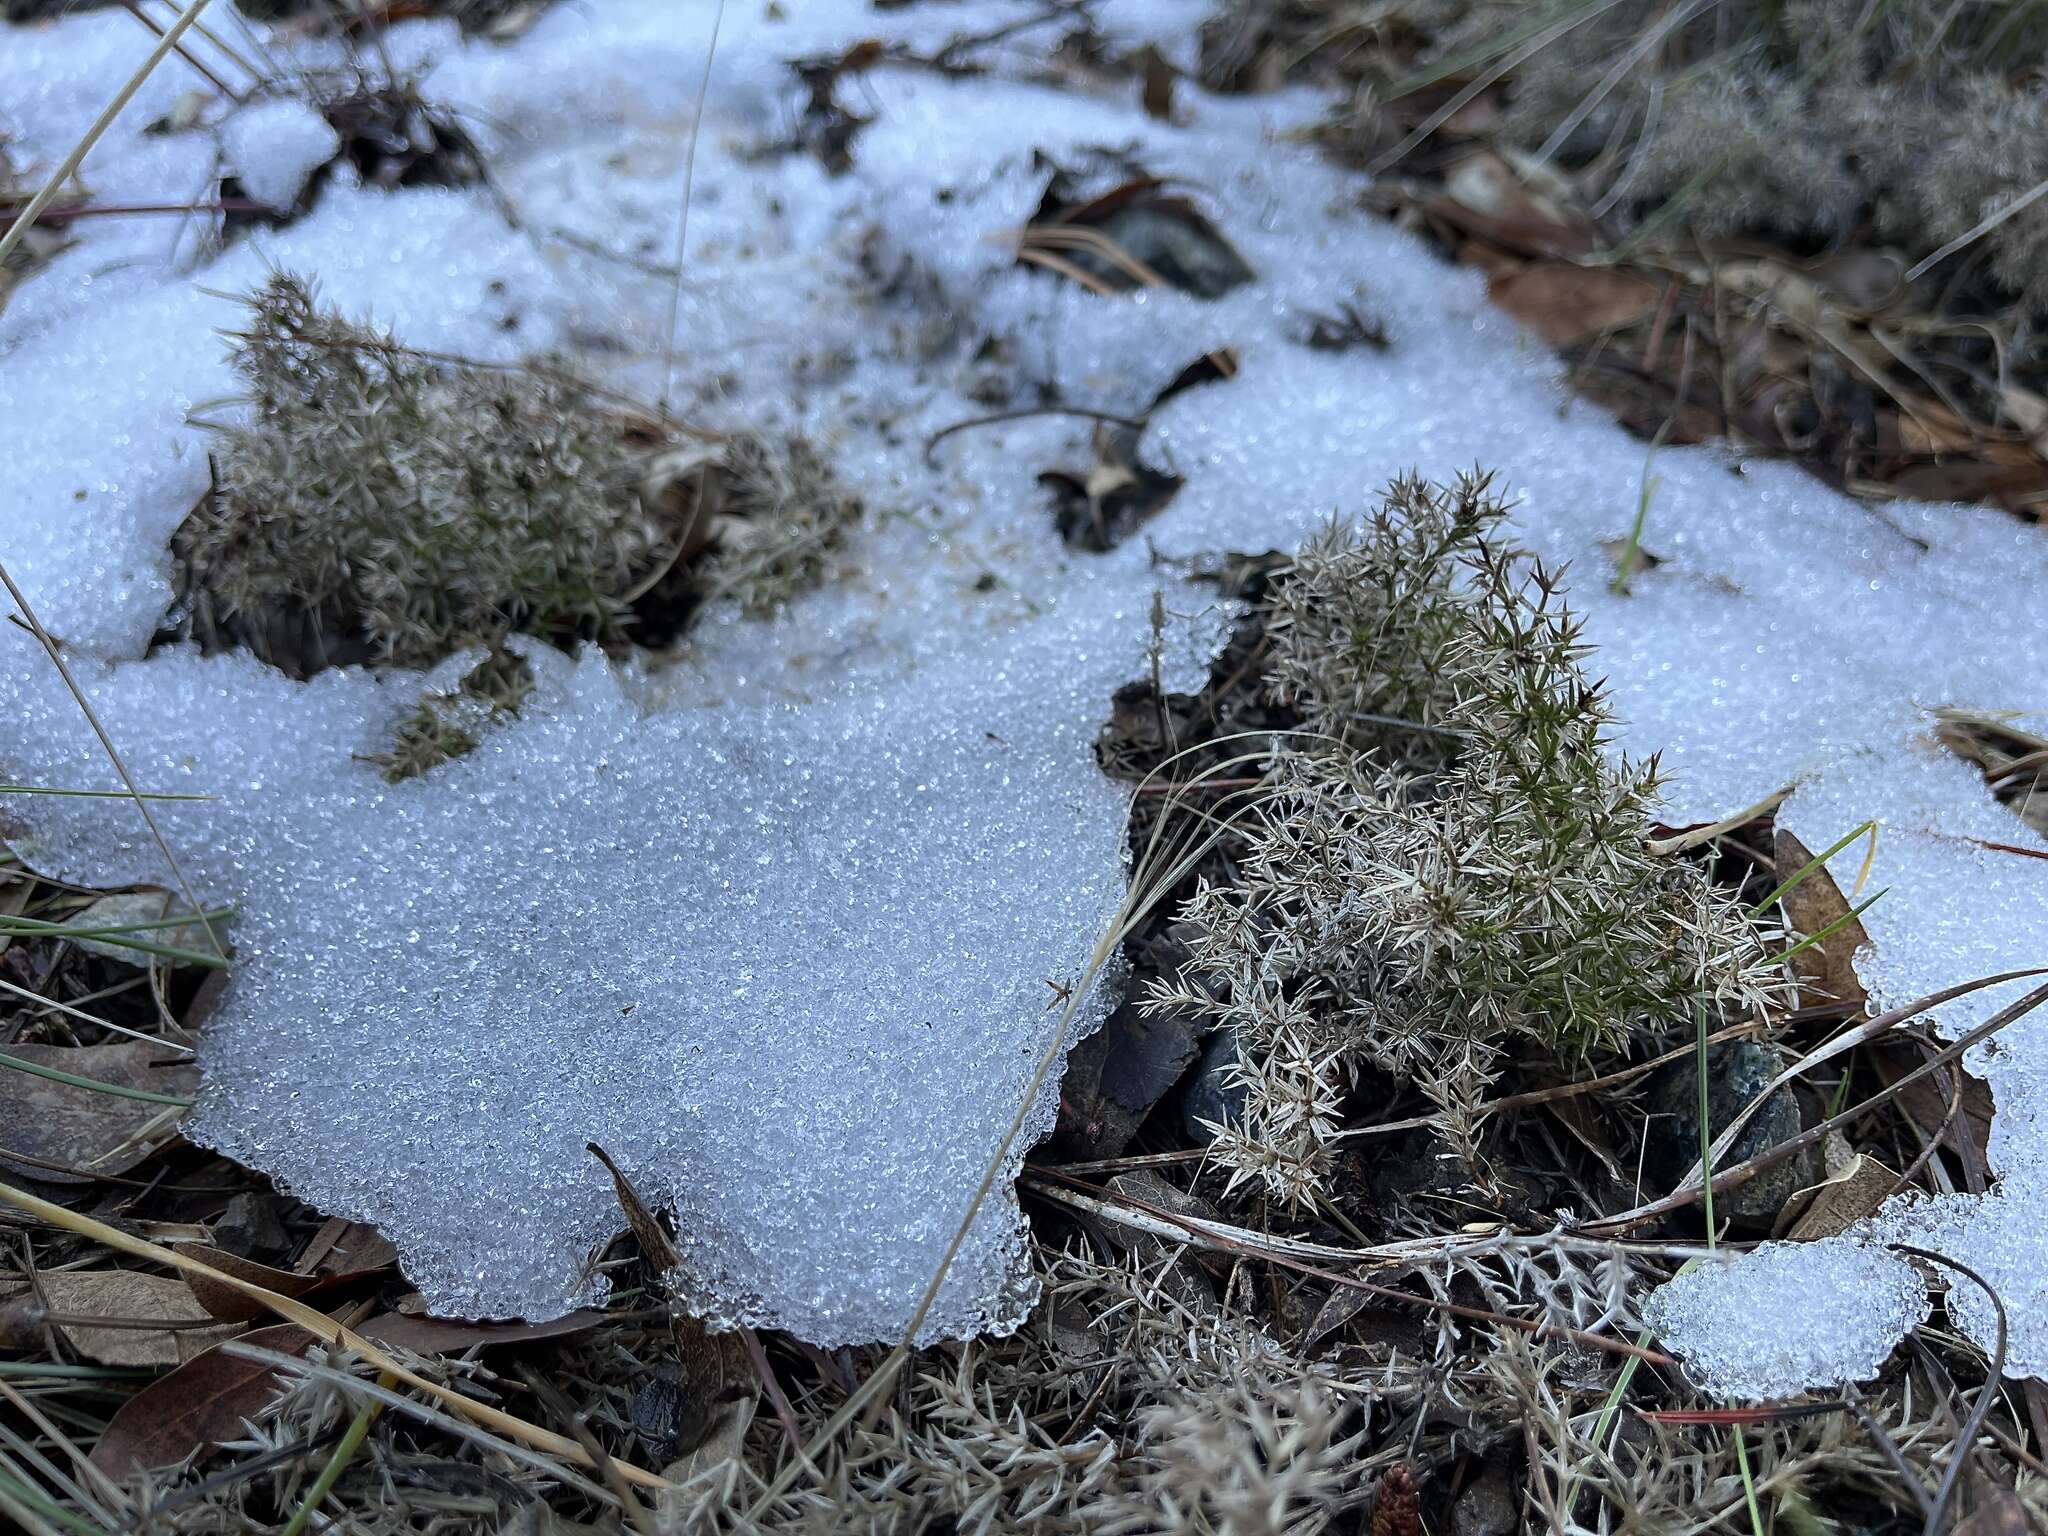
(675, 293)
(321, 1327)
(1728, 1178)
(1847, 1040)
(25, 220)
(50, 648)
(1176, 1228)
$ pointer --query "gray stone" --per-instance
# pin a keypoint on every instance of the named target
(1737, 1070)
(1210, 1094)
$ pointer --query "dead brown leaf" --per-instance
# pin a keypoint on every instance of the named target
(1159, 78)
(2001, 1514)
(1849, 1193)
(1482, 197)
(345, 1249)
(227, 1303)
(127, 1296)
(1825, 969)
(1926, 1099)
(453, 1335)
(656, 1246)
(1564, 303)
(196, 1407)
(68, 1135)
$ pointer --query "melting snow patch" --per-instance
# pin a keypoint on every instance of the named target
(774, 925)
(273, 148)
(1789, 1317)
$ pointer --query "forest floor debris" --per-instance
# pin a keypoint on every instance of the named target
(1437, 1314)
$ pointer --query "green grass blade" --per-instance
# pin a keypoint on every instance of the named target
(119, 933)
(73, 1080)
(1836, 926)
(1805, 871)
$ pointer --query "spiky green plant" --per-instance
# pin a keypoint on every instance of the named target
(1426, 922)
(1362, 628)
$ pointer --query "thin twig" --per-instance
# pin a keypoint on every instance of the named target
(71, 162)
(1135, 423)
(1974, 1425)
(675, 292)
(1742, 1172)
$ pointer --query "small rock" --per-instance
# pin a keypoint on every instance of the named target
(1211, 1093)
(1485, 1507)
(1737, 1070)
(659, 1412)
(123, 908)
(250, 1227)
(1115, 1076)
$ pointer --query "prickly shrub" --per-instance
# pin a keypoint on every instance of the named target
(1362, 628)
(1428, 923)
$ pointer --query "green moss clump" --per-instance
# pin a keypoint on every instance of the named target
(447, 724)
(381, 506)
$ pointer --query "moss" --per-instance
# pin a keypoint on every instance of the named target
(1795, 119)
(386, 507)
(780, 517)
(380, 506)
(447, 724)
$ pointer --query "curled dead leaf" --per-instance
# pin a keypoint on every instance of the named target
(127, 1298)
(1563, 302)
(1854, 1188)
(68, 1135)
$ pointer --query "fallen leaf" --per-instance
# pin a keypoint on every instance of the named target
(69, 1135)
(1827, 969)
(1135, 234)
(656, 1246)
(128, 1295)
(1565, 303)
(346, 1249)
(453, 1335)
(1927, 1101)
(1483, 197)
(198, 1406)
(1845, 1197)
(224, 1301)
(2001, 1514)
(1101, 507)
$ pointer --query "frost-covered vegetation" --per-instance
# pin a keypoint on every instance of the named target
(386, 505)
(651, 887)
(1460, 864)
(421, 508)
(1798, 118)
